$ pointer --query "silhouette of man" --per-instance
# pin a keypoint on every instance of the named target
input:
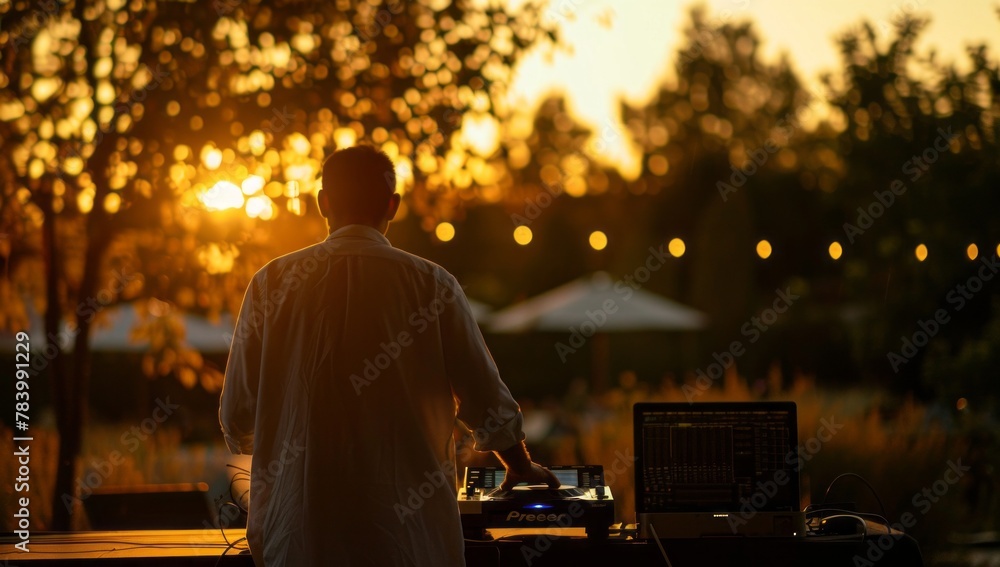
(350, 362)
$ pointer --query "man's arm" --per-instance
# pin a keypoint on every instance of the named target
(238, 403)
(485, 403)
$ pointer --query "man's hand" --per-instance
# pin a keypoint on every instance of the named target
(520, 469)
(535, 474)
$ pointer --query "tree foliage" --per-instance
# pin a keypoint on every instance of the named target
(141, 141)
(920, 141)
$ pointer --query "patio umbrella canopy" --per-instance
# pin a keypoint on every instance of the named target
(568, 306)
(113, 328)
(114, 333)
(595, 306)
(480, 311)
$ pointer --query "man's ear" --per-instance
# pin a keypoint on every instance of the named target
(394, 201)
(323, 202)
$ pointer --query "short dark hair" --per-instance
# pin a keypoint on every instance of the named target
(358, 182)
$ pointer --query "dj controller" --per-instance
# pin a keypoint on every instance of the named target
(581, 501)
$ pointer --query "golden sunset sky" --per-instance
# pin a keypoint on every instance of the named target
(621, 50)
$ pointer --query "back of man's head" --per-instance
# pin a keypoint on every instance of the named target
(358, 182)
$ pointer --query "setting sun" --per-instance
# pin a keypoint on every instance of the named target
(221, 196)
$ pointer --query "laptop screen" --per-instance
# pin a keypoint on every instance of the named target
(716, 456)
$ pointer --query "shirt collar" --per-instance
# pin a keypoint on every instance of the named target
(359, 231)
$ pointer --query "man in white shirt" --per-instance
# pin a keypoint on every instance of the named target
(350, 362)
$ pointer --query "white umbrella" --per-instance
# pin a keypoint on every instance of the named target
(112, 330)
(568, 306)
(480, 311)
(594, 306)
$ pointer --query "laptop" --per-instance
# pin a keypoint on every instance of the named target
(717, 469)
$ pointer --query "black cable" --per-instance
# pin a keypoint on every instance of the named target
(237, 500)
(224, 504)
(233, 544)
(862, 479)
(656, 537)
(236, 478)
(879, 517)
(241, 474)
(225, 551)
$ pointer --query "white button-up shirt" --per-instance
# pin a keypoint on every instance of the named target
(350, 362)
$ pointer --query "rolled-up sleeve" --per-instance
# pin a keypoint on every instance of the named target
(238, 403)
(485, 403)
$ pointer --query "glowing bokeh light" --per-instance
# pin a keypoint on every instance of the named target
(598, 240)
(522, 235)
(300, 171)
(252, 184)
(85, 200)
(36, 168)
(404, 174)
(300, 144)
(658, 165)
(676, 247)
(216, 259)
(303, 43)
(345, 137)
(73, 165)
(836, 250)
(105, 92)
(972, 251)
(481, 133)
(260, 207)
(44, 88)
(257, 142)
(112, 202)
(444, 231)
(223, 195)
(921, 252)
(575, 186)
(211, 157)
(764, 249)
(280, 55)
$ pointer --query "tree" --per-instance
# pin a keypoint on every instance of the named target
(722, 166)
(138, 138)
(920, 143)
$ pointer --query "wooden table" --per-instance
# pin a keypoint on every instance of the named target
(204, 547)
